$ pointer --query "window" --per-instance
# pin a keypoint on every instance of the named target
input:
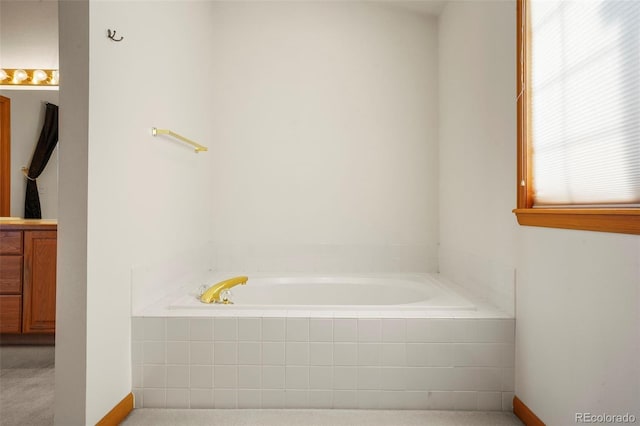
(579, 114)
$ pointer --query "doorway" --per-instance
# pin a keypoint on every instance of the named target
(5, 156)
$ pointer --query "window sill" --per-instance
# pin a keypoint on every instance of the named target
(621, 221)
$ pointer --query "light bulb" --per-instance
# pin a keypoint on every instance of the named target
(19, 76)
(38, 76)
(3, 75)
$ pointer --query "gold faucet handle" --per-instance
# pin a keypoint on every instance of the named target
(212, 294)
(225, 297)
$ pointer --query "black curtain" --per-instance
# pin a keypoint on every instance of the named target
(44, 149)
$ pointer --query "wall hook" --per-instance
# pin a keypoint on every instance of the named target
(112, 35)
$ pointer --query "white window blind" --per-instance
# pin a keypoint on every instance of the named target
(584, 88)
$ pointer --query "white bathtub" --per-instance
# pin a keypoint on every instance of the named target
(416, 292)
(403, 341)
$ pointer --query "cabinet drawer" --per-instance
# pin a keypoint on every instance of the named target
(10, 314)
(10, 274)
(10, 242)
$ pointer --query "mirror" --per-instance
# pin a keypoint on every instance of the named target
(20, 126)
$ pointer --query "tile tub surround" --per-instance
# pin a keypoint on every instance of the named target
(279, 362)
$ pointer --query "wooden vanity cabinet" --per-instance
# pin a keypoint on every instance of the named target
(39, 286)
(28, 277)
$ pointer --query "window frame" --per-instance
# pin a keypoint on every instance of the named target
(604, 219)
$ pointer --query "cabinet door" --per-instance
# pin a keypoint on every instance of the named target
(10, 314)
(39, 295)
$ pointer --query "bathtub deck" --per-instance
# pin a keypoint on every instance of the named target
(478, 308)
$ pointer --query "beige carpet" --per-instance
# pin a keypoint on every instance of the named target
(26, 385)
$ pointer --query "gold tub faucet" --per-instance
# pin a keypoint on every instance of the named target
(212, 294)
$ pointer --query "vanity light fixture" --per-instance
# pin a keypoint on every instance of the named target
(19, 76)
(28, 77)
(39, 76)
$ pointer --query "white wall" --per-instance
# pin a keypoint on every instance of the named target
(477, 148)
(27, 118)
(578, 323)
(578, 292)
(148, 197)
(324, 137)
(29, 34)
(72, 285)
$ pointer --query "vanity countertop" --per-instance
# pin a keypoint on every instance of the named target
(8, 223)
